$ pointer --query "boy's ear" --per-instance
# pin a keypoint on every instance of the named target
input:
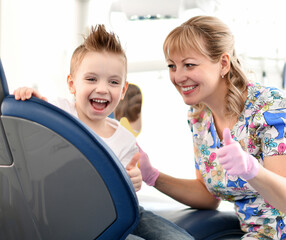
(124, 90)
(70, 84)
(225, 63)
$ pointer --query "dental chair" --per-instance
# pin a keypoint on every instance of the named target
(58, 179)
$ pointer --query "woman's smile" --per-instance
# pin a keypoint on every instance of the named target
(188, 89)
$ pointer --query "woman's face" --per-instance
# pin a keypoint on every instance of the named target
(197, 79)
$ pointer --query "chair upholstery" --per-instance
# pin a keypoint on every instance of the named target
(59, 180)
(206, 224)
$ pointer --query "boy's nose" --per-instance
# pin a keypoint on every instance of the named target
(101, 87)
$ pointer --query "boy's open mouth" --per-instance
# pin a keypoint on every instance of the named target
(99, 104)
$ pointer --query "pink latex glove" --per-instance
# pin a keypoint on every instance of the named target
(149, 174)
(236, 161)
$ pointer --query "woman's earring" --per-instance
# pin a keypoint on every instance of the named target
(72, 91)
(222, 76)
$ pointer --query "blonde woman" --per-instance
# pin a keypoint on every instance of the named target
(238, 131)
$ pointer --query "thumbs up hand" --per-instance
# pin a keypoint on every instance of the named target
(236, 161)
(134, 172)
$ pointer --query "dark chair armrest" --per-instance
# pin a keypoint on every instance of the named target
(206, 224)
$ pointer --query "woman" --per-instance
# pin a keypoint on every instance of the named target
(238, 131)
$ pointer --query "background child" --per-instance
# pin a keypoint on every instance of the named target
(128, 111)
(97, 80)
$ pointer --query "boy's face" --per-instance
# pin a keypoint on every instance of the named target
(98, 85)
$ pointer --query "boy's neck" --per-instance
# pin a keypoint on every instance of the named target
(100, 127)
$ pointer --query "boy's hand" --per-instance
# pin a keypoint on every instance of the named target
(134, 172)
(149, 174)
(25, 93)
(236, 161)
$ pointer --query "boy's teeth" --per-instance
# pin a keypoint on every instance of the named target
(99, 101)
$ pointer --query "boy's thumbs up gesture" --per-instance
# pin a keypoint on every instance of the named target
(236, 161)
(134, 172)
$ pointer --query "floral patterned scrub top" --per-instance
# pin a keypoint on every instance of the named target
(260, 131)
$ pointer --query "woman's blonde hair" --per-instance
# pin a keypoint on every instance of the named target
(211, 37)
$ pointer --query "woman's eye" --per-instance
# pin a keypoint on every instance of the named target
(171, 66)
(188, 65)
(91, 79)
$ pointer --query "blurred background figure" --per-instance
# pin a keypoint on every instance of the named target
(128, 111)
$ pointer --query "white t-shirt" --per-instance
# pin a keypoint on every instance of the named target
(122, 142)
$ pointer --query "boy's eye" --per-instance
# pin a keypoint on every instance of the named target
(91, 79)
(114, 82)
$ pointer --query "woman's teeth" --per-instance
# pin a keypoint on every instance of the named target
(188, 88)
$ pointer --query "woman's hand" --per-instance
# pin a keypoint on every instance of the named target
(236, 161)
(149, 174)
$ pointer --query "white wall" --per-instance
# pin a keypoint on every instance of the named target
(36, 38)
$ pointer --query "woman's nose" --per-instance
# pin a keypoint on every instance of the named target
(180, 75)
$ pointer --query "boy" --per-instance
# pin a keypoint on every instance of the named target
(97, 79)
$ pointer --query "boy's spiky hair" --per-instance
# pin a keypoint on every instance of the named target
(98, 40)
